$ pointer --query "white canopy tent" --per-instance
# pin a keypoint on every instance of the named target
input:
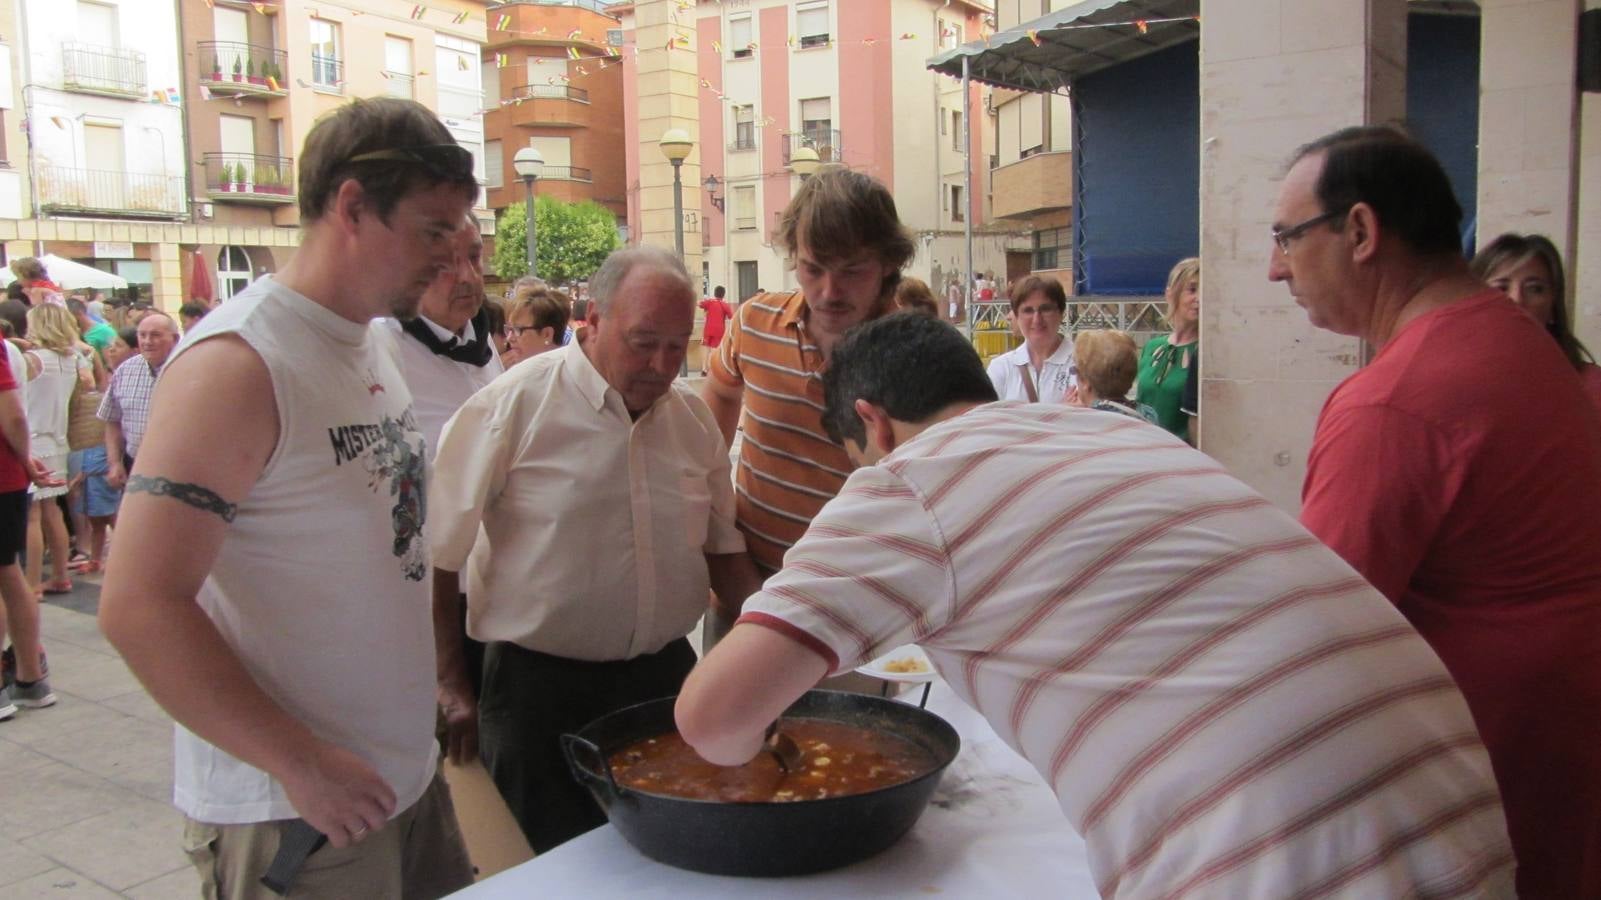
(70, 275)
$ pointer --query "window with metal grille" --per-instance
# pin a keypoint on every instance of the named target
(325, 62)
(745, 127)
(817, 121)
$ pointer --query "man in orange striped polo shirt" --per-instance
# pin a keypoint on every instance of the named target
(847, 244)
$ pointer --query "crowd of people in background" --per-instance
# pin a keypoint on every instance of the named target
(547, 421)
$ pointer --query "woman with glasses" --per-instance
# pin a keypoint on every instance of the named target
(535, 323)
(1528, 269)
(1169, 361)
(1040, 371)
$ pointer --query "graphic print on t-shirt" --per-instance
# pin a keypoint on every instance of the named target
(391, 451)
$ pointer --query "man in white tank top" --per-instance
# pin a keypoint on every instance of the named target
(268, 584)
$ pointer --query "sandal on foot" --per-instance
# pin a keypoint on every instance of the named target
(64, 586)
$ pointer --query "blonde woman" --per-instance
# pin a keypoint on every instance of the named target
(60, 361)
(1168, 361)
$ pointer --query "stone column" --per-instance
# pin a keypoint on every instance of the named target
(1584, 268)
(1528, 119)
(167, 280)
(669, 97)
(1274, 75)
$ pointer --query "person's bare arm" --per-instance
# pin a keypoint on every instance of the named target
(725, 402)
(115, 451)
(741, 686)
(192, 472)
(734, 578)
(455, 690)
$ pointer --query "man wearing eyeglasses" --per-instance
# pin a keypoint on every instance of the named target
(269, 580)
(1460, 473)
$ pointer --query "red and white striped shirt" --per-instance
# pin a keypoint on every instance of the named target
(1223, 707)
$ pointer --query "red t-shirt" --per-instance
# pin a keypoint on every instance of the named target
(717, 315)
(13, 474)
(1460, 473)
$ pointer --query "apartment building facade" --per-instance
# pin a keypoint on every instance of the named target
(553, 80)
(96, 153)
(259, 75)
(156, 139)
(848, 81)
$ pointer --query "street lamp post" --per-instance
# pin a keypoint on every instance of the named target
(804, 161)
(529, 163)
(675, 144)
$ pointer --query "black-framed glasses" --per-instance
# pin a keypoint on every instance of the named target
(1283, 236)
(443, 160)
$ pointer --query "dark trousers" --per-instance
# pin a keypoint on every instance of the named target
(530, 699)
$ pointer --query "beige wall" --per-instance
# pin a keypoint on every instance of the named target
(1266, 371)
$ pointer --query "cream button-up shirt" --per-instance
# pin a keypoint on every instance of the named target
(581, 532)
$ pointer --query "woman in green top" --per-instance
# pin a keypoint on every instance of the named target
(1168, 361)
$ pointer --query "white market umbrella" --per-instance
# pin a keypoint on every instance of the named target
(70, 275)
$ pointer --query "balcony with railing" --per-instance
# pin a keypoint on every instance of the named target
(399, 84)
(242, 70)
(826, 141)
(549, 104)
(109, 192)
(566, 173)
(250, 178)
(327, 73)
(108, 71)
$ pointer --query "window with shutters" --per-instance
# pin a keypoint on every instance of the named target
(811, 24)
(740, 38)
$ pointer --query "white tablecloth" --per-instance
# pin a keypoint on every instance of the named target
(993, 830)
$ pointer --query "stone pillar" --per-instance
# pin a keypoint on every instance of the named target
(167, 279)
(1528, 120)
(669, 97)
(1275, 75)
(1584, 269)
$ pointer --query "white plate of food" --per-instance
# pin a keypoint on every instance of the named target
(906, 663)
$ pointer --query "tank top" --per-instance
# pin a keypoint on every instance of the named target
(47, 399)
(320, 585)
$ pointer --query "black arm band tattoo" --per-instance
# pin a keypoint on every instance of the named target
(192, 494)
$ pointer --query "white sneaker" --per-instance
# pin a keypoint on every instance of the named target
(7, 708)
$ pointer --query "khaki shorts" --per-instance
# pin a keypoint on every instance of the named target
(419, 855)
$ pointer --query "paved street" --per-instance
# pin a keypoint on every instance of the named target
(85, 807)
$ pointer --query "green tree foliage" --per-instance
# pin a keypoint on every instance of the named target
(573, 238)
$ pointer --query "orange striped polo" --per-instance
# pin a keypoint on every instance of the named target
(788, 468)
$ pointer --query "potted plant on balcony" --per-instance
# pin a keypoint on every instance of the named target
(216, 68)
(277, 76)
(225, 177)
(238, 69)
(257, 73)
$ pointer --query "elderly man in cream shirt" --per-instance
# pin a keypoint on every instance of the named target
(588, 497)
